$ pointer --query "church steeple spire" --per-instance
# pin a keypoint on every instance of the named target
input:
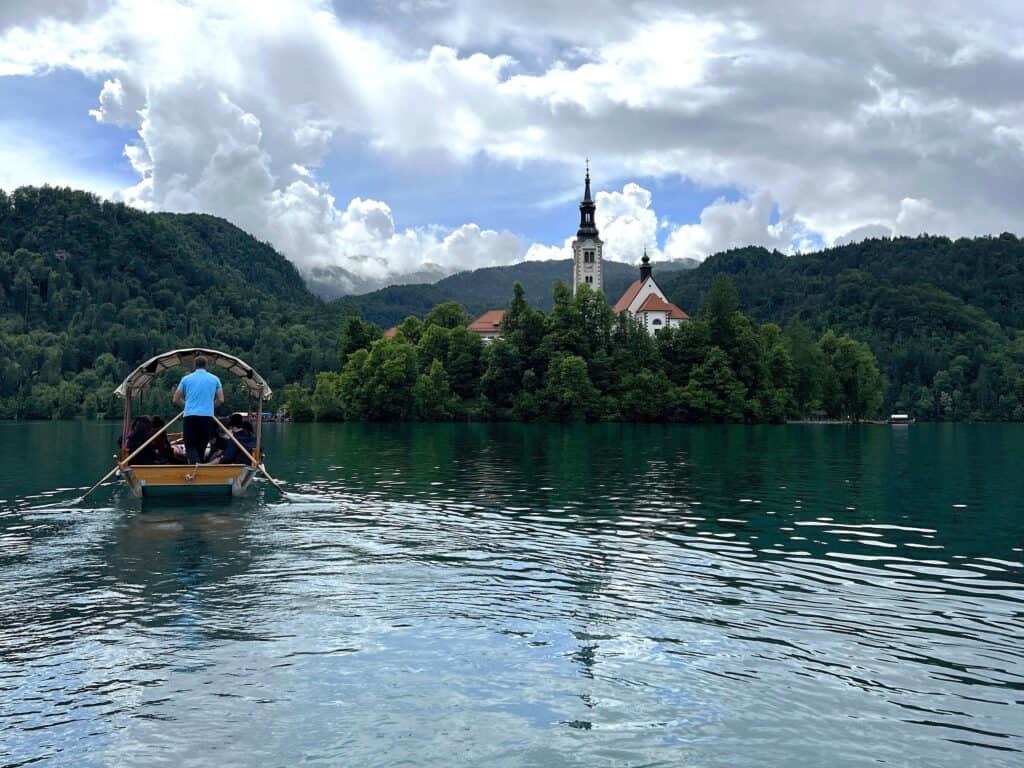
(587, 266)
(588, 227)
(645, 266)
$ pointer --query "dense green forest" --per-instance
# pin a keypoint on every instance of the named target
(488, 288)
(90, 289)
(582, 362)
(944, 317)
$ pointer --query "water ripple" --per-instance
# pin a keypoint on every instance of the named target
(462, 600)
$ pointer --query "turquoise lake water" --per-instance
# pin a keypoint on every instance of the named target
(466, 595)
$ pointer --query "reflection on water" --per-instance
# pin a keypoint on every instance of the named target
(507, 595)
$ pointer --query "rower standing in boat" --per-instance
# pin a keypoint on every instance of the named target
(200, 393)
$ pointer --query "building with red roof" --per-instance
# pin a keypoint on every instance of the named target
(646, 302)
(488, 325)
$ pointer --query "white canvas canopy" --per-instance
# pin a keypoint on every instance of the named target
(185, 358)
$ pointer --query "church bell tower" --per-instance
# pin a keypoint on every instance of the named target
(587, 268)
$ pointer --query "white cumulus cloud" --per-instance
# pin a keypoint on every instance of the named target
(725, 225)
(840, 120)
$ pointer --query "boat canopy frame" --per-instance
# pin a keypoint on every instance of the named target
(137, 381)
(143, 376)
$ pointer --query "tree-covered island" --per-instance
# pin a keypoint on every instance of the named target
(582, 362)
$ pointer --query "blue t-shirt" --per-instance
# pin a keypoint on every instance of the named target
(199, 388)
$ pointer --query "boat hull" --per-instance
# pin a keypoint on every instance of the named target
(171, 479)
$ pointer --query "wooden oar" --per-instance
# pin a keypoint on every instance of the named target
(258, 465)
(130, 456)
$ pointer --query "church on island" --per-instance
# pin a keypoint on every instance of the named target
(643, 300)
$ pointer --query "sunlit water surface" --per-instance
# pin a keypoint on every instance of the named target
(502, 595)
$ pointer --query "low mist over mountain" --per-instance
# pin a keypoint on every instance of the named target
(331, 282)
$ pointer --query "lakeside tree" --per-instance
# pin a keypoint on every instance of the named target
(852, 386)
(355, 334)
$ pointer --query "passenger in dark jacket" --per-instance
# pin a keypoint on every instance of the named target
(162, 449)
(142, 430)
(243, 432)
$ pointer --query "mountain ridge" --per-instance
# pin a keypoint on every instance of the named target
(89, 288)
(487, 288)
(945, 318)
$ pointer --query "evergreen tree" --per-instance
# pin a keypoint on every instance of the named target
(569, 394)
(464, 362)
(502, 375)
(448, 315)
(719, 312)
(433, 345)
(524, 328)
(853, 385)
(714, 393)
(432, 396)
(411, 328)
(355, 334)
(808, 367)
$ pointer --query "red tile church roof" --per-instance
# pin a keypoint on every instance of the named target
(627, 298)
(654, 303)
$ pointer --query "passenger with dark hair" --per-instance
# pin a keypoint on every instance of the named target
(243, 433)
(162, 445)
(223, 441)
(142, 430)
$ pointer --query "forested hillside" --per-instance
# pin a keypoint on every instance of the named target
(488, 288)
(89, 289)
(943, 317)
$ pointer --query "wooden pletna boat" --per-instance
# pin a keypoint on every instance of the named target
(150, 479)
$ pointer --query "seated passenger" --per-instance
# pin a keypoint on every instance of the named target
(162, 445)
(243, 433)
(221, 441)
(142, 430)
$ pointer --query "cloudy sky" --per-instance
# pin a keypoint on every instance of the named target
(368, 140)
